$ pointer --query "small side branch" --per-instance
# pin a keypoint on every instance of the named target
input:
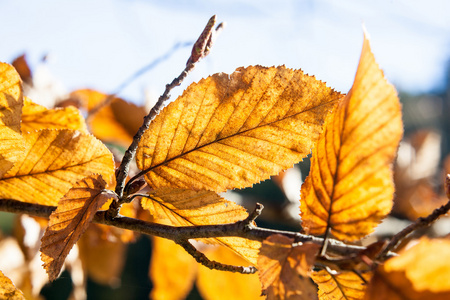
(213, 265)
(419, 223)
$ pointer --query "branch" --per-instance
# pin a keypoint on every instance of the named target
(244, 229)
(213, 265)
(420, 222)
(124, 167)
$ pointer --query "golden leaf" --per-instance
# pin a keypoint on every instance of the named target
(216, 285)
(284, 269)
(70, 220)
(53, 161)
(350, 187)
(8, 290)
(11, 102)
(116, 122)
(420, 272)
(188, 208)
(35, 116)
(172, 270)
(342, 285)
(231, 131)
(103, 259)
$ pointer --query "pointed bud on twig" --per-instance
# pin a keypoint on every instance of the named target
(203, 44)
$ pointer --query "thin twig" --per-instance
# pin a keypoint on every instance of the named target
(138, 73)
(213, 265)
(124, 167)
(419, 223)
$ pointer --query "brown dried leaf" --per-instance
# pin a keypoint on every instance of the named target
(21, 65)
(172, 270)
(284, 269)
(216, 285)
(70, 220)
(35, 117)
(8, 290)
(350, 188)
(53, 161)
(231, 131)
(11, 102)
(340, 285)
(188, 208)
(420, 272)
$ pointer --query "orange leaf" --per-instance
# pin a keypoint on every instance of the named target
(188, 208)
(116, 122)
(8, 290)
(103, 259)
(284, 269)
(216, 285)
(11, 102)
(231, 131)
(21, 65)
(53, 161)
(70, 220)
(172, 270)
(35, 116)
(340, 285)
(349, 188)
(420, 272)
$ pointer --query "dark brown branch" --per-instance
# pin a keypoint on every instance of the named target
(213, 265)
(420, 222)
(238, 229)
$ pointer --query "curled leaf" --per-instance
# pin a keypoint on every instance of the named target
(420, 272)
(350, 187)
(70, 220)
(231, 131)
(53, 161)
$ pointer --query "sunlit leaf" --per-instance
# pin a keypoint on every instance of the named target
(70, 220)
(116, 122)
(284, 269)
(420, 272)
(187, 208)
(53, 161)
(35, 117)
(11, 102)
(216, 285)
(8, 290)
(172, 270)
(340, 285)
(350, 188)
(231, 131)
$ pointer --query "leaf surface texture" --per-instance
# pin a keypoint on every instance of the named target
(350, 187)
(231, 131)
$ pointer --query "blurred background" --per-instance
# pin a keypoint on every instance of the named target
(71, 45)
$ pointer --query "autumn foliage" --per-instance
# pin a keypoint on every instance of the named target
(224, 132)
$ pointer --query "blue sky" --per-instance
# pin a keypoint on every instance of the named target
(98, 44)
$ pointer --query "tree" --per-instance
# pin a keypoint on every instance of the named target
(224, 132)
